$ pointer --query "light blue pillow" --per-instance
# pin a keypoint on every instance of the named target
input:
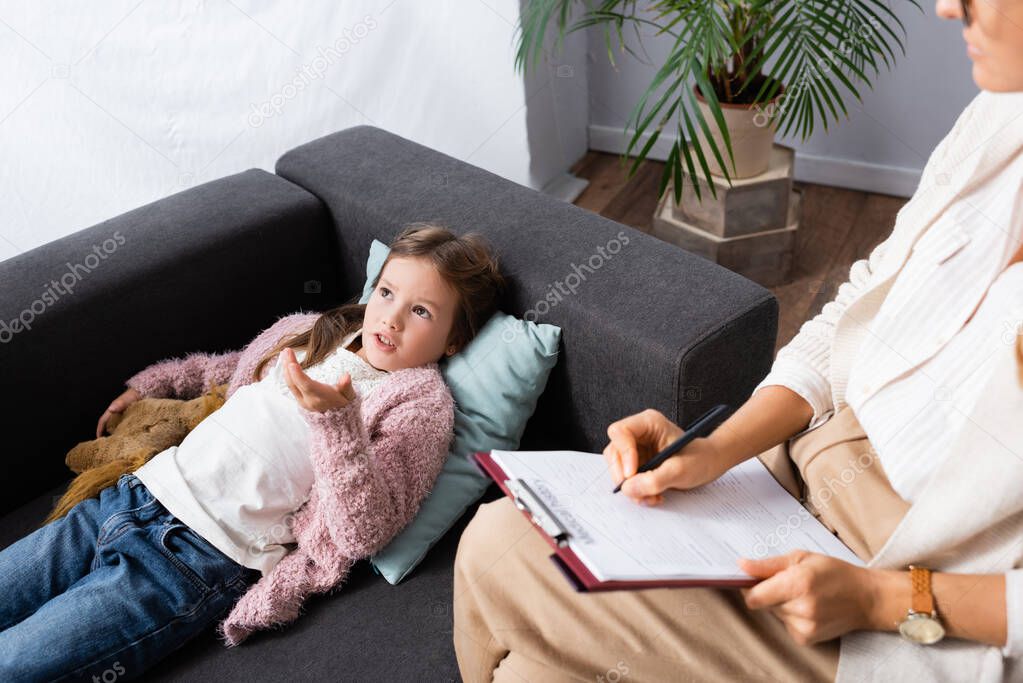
(496, 381)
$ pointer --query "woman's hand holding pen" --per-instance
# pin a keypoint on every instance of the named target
(313, 395)
(637, 438)
(773, 414)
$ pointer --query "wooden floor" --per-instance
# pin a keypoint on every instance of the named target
(838, 227)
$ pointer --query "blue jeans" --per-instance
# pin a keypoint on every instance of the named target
(108, 590)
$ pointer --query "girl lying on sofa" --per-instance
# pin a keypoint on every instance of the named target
(335, 427)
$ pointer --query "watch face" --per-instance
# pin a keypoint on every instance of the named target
(921, 628)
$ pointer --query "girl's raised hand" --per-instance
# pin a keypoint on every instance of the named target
(313, 395)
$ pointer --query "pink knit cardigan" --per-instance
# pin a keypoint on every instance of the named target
(374, 460)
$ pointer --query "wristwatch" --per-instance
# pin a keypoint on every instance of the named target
(921, 624)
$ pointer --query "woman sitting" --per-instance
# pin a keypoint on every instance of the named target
(896, 414)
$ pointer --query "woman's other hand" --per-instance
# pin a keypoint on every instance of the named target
(637, 438)
(118, 405)
(817, 597)
(313, 395)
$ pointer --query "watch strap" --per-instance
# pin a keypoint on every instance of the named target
(923, 599)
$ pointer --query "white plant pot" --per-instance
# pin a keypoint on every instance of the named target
(751, 130)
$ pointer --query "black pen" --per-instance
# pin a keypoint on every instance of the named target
(702, 426)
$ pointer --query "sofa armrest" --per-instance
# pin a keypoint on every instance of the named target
(201, 270)
(645, 324)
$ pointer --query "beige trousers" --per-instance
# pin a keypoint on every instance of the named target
(516, 618)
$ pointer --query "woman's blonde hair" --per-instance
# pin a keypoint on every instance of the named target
(465, 262)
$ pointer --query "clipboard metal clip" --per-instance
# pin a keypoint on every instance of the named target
(526, 499)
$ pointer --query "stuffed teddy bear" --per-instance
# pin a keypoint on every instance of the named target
(146, 427)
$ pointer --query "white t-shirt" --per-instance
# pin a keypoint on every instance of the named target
(239, 476)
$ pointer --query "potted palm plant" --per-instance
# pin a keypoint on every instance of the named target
(717, 71)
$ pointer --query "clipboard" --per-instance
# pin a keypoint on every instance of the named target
(558, 538)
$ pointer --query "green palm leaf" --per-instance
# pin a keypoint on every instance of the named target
(723, 47)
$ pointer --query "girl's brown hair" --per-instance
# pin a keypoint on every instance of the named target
(465, 262)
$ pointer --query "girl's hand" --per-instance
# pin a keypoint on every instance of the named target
(637, 438)
(309, 393)
(118, 405)
(817, 597)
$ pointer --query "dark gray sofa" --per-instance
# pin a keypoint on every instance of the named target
(207, 268)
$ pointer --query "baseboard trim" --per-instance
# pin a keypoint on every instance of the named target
(846, 173)
(566, 187)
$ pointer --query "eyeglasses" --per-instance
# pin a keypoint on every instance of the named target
(966, 12)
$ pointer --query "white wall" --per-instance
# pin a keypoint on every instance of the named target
(108, 106)
(881, 147)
